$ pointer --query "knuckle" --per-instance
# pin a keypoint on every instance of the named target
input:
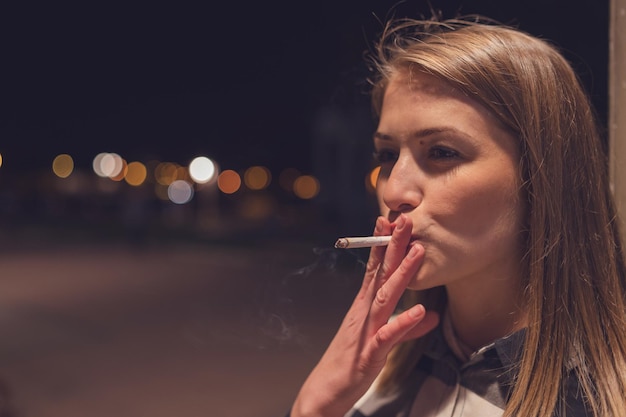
(383, 270)
(381, 337)
(372, 265)
(381, 295)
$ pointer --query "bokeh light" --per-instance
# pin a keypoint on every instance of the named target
(96, 164)
(111, 164)
(182, 173)
(108, 164)
(372, 179)
(202, 170)
(122, 172)
(136, 173)
(306, 187)
(257, 177)
(63, 165)
(180, 192)
(0, 159)
(229, 181)
(165, 173)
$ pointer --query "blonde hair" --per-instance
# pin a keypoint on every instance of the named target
(575, 278)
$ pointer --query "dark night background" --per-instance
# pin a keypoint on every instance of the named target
(240, 81)
(246, 83)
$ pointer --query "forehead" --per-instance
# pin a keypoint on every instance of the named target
(418, 82)
(416, 100)
(417, 86)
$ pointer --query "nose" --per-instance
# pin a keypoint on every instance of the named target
(401, 188)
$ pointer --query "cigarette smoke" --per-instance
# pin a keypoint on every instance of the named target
(326, 286)
(279, 309)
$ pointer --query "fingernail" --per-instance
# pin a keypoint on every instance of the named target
(400, 222)
(417, 311)
(379, 225)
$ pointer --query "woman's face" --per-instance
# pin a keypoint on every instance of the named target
(447, 164)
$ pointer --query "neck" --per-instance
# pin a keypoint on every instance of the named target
(482, 311)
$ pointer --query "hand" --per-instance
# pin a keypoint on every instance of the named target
(360, 347)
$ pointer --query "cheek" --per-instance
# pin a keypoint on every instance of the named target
(481, 208)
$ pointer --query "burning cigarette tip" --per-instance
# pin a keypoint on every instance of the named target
(362, 242)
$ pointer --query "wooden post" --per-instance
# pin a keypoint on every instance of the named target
(617, 105)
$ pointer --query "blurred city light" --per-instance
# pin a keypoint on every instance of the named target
(229, 181)
(169, 182)
(180, 192)
(96, 164)
(306, 187)
(107, 164)
(111, 164)
(257, 177)
(165, 173)
(372, 179)
(122, 171)
(63, 165)
(136, 173)
(182, 173)
(202, 170)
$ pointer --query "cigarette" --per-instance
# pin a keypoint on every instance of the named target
(362, 242)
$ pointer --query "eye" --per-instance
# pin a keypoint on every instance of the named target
(385, 156)
(439, 152)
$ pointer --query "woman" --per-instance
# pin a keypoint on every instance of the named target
(505, 250)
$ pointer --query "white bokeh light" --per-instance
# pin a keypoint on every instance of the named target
(107, 164)
(202, 169)
(97, 164)
(111, 164)
(180, 192)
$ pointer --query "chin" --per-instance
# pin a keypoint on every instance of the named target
(429, 276)
(420, 284)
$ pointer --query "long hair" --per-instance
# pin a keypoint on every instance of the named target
(573, 268)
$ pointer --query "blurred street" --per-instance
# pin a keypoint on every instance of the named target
(166, 329)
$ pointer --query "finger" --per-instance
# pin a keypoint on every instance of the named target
(414, 321)
(430, 321)
(389, 293)
(377, 253)
(396, 250)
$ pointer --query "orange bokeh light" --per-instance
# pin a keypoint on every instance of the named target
(306, 187)
(136, 173)
(257, 177)
(372, 179)
(229, 181)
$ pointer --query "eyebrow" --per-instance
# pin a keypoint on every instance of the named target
(422, 133)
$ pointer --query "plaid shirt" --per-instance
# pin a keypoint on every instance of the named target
(444, 385)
